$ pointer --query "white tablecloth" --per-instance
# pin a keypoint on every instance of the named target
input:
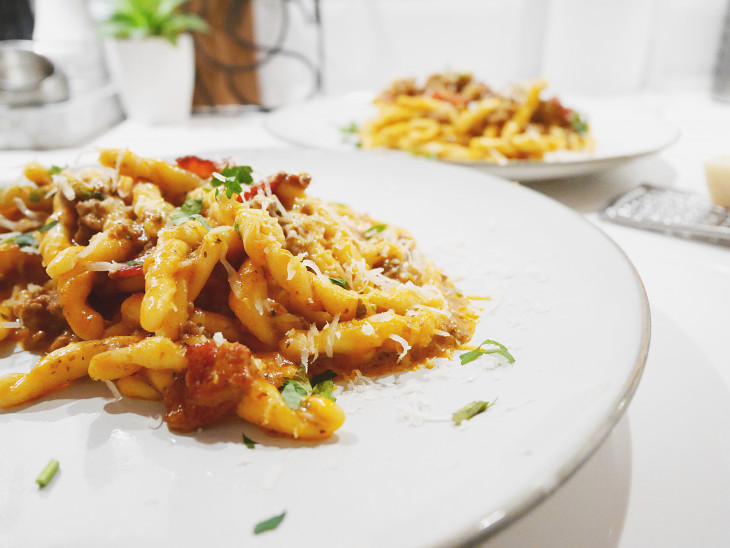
(662, 478)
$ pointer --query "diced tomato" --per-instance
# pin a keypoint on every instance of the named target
(126, 271)
(450, 97)
(202, 168)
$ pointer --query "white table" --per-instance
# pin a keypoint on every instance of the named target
(662, 478)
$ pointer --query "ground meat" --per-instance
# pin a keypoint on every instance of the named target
(215, 381)
(91, 214)
(39, 310)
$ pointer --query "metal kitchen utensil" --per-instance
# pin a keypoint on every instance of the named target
(671, 211)
(28, 78)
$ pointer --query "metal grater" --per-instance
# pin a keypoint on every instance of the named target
(676, 212)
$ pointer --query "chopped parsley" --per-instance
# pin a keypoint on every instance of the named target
(46, 475)
(47, 227)
(134, 262)
(233, 178)
(339, 281)
(28, 239)
(350, 128)
(190, 210)
(296, 389)
(35, 196)
(578, 123)
(469, 411)
(55, 170)
(269, 524)
(472, 355)
(373, 230)
(324, 376)
(248, 442)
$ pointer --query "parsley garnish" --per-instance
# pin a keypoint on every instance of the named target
(248, 442)
(350, 128)
(35, 196)
(469, 411)
(28, 239)
(190, 209)
(134, 262)
(47, 227)
(324, 376)
(269, 524)
(472, 355)
(339, 281)
(577, 122)
(47, 474)
(295, 389)
(233, 177)
(324, 389)
(54, 170)
(373, 230)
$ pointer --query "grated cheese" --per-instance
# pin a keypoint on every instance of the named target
(114, 390)
(331, 334)
(403, 343)
(25, 210)
(65, 187)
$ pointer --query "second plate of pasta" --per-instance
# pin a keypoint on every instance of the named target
(620, 133)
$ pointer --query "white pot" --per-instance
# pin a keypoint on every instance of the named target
(155, 78)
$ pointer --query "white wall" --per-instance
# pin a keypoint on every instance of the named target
(588, 46)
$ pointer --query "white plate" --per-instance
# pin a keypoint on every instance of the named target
(565, 300)
(622, 133)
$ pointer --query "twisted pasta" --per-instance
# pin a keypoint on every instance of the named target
(193, 285)
(455, 117)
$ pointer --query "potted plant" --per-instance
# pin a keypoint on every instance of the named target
(151, 56)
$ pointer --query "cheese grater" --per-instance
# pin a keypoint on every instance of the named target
(671, 211)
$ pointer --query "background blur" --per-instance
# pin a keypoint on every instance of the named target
(338, 46)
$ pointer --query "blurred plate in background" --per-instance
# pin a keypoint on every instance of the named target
(622, 133)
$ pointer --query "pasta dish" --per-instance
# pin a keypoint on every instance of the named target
(196, 284)
(454, 117)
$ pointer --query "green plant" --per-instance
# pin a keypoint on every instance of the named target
(143, 18)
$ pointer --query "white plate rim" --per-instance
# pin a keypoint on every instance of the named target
(524, 170)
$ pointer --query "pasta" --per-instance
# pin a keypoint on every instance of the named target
(191, 283)
(454, 117)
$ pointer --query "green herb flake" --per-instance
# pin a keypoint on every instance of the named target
(293, 392)
(578, 123)
(27, 239)
(134, 262)
(269, 524)
(190, 209)
(54, 170)
(35, 196)
(339, 281)
(233, 177)
(248, 442)
(500, 349)
(296, 389)
(469, 411)
(47, 227)
(350, 128)
(45, 477)
(325, 389)
(324, 376)
(373, 230)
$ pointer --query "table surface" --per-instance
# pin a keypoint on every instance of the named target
(662, 478)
